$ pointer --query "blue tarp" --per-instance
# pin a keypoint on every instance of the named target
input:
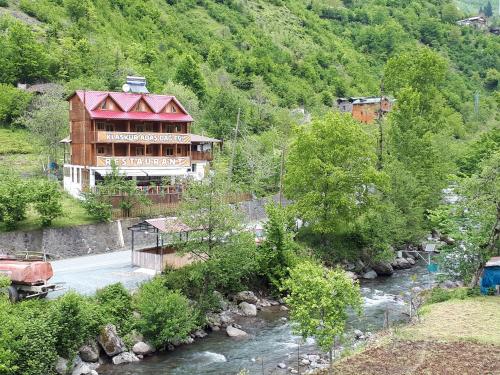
(491, 278)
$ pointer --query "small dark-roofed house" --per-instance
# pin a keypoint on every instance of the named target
(478, 22)
(365, 109)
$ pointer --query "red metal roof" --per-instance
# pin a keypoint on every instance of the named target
(126, 102)
(139, 116)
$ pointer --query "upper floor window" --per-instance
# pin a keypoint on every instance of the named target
(169, 151)
(101, 150)
(139, 151)
(104, 126)
(104, 105)
(149, 149)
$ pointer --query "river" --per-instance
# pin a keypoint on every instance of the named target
(270, 340)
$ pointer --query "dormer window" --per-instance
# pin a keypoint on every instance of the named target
(173, 109)
(104, 105)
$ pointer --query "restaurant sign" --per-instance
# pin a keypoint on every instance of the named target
(144, 161)
(126, 137)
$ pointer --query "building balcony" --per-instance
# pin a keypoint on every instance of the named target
(140, 137)
(201, 155)
(144, 161)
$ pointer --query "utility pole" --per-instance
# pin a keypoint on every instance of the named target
(234, 145)
(282, 169)
(381, 129)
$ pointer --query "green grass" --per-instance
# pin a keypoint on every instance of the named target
(74, 214)
(474, 319)
(15, 142)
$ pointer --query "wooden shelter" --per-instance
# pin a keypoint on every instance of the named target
(169, 231)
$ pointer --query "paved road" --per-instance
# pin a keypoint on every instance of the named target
(89, 273)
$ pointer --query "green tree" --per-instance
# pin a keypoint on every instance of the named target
(48, 120)
(115, 307)
(165, 316)
(14, 200)
(188, 73)
(319, 299)
(331, 172)
(488, 10)
(13, 103)
(47, 200)
(277, 254)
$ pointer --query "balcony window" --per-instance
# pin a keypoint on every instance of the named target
(101, 150)
(104, 126)
(149, 150)
(169, 151)
(139, 151)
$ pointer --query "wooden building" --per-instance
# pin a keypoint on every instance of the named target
(365, 109)
(166, 232)
(147, 136)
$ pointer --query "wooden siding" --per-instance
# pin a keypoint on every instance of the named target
(153, 259)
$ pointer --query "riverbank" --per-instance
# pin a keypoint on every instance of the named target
(270, 342)
(452, 337)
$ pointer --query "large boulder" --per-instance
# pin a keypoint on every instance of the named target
(246, 296)
(383, 268)
(401, 263)
(83, 368)
(351, 275)
(235, 332)
(62, 366)
(110, 341)
(370, 275)
(89, 352)
(142, 348)
(248, 309)
(125, 357)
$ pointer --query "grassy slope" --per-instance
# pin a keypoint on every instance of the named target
(453, 337)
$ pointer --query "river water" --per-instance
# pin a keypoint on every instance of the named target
(270, 340)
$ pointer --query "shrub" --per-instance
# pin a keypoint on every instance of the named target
(75, 321)
(166, 315)
(14, 199)
(115, 306)
(47, 201)
(437, 295)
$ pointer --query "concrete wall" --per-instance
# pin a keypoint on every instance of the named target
(76, 241)
(100, 238)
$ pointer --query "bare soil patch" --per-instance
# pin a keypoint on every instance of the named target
(423, 358)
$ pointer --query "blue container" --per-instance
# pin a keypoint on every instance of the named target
(433, 267)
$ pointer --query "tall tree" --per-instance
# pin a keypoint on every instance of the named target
(188, 73)
(318, 300)
(488, 10)
(48, 120)
(331, 172)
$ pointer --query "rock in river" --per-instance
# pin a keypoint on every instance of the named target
(246, 296)
(142, 348)
(248, 309)
(110, 341)
(383, 268)
(235, 332)
(370, 275)
(89, 352)
(125, 357)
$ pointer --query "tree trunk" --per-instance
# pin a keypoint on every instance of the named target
(330, 371)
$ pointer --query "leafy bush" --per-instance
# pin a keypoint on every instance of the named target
(115, 307)
(437, 295)
(165, 315)
(14, 199)
(13, 102)
(47, 201)
(74, 320)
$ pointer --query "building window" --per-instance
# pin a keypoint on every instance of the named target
(169, 151)
(139, 151)
(77, 175)
(101, 150)
(104, 105)
(149, 149)
(174, 109)
(193, 167)
(104, 126)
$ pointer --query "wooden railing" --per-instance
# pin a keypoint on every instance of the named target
(201, 155)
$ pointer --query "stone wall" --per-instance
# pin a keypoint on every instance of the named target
(100, 238)
(76, 241)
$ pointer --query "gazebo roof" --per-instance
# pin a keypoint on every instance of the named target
(161, 225)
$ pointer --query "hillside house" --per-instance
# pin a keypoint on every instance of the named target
(479, 22)
(365, 109)
(148, 137)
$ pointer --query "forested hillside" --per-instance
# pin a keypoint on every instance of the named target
(280, 63)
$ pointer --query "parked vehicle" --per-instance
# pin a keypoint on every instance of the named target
(29, 273)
